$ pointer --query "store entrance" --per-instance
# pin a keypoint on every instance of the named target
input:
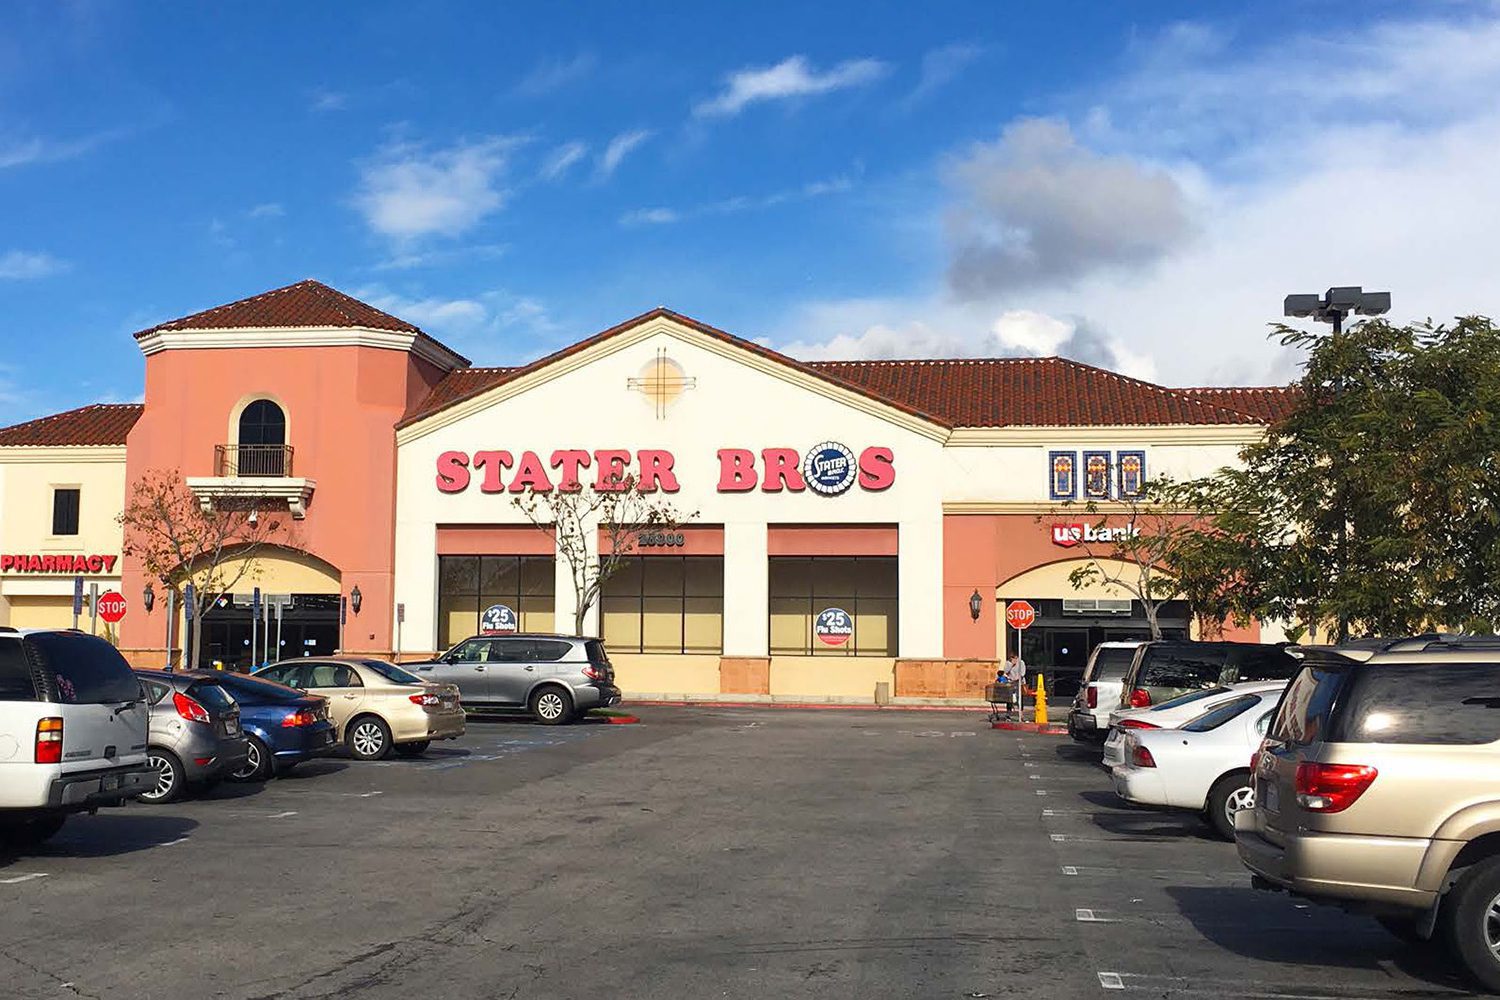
(309, 626)
(1066, 632)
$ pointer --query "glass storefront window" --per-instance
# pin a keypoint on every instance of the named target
(469, 584)
(665, 604)
(864, 587)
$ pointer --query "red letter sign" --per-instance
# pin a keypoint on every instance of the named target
(736, 470)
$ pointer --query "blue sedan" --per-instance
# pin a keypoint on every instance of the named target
(285, 726)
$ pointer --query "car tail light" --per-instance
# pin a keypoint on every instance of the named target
(1140, 698)
(1091, 696)
(1137, 724)
(1331, 788)
(49, 741)
(425, 699)
(591, 673)
(300, 717)
(1141, 757)
(188, 708)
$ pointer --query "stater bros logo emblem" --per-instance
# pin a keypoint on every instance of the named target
(829, 468)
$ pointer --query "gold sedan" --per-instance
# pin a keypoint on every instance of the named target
(377, 706)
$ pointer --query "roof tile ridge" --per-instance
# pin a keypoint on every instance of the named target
(1176, 394)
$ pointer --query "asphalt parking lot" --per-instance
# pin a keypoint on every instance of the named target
(702, 853)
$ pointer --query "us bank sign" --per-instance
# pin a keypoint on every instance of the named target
(828, 468)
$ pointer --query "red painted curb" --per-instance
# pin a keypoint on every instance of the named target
(1030, 727)
(621, 720)
(815, 706)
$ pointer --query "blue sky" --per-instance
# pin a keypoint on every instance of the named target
(1132, 184)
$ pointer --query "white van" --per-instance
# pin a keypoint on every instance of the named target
(1103, 679)
(72, 731)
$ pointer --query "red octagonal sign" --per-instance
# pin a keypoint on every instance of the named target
(1019, 614)
(111, 606)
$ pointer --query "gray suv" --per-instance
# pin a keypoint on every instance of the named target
(554, 677)
(195, 739)
(1377, 788)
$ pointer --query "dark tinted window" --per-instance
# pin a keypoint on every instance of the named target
(473, 651)
(1263, 663)
(510, 651)
(1111, 663)
(1307, 704)
(84, 669)
(331, 675)
(15, 673)
(393, 673)
(547, 650)
(65, 511)
(289, 674)
(257, 691)
(1220, 714)
(596, 652)
(155, 690)
(1449, 703)
(1189, 665)
(212, 697)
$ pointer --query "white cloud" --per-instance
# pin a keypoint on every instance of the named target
(738, 203)
(23, 265)
(410, 191)
(17, 151)
(792, 77)
(562, 159)
(650, 217)
(327, 100)
(483, 320)
(411, 259)
(267, 210)
(554, 74)
(1215, 175)
(620, 147)
(1035, 207)
(940, 67)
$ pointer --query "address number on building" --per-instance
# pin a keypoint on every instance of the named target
(660, 539)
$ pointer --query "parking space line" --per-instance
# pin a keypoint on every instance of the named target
(1084, 916)
(1111, 981)
(171, 843)
(22, 878)
(1168, 986)
(283, 815)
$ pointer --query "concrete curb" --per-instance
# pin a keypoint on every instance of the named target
(1031, 727)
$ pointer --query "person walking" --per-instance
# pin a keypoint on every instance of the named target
(1015, 676)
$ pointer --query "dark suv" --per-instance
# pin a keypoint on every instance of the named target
(1378, 788)
(1165, 669)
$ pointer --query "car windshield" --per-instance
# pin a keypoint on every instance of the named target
(1188, 699)
(1220, 714)
(256, 689)
(85, 670)
(1111, 663)
(392, 673)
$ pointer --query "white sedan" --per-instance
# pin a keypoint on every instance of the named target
(1171, 714)
(1204, 766)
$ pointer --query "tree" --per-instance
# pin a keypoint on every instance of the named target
(178, 542)
(617, 509)
(1374, 505)
(1151, 552)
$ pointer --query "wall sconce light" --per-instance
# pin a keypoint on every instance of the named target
(356, 599)
(148, 597)
(976, 605)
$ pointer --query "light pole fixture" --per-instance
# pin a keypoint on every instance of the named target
(976, 605)
(356, 599)
(1333, 305)
(148, 597)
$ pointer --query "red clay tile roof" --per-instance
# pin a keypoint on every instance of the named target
(461, 383)
(1265, 402)
(306, 303)
(1031, 392)
(95, 424)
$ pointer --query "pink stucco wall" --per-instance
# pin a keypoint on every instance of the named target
(342, 404)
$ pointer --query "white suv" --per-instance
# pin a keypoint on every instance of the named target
(72, 731)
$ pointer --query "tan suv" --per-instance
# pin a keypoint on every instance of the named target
(1378, 788)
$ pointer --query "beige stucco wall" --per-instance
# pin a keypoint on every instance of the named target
(658, 674)
(27, 479)
(831, 676)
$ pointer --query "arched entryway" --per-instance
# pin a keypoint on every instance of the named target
(299, 610)
(1071, 621)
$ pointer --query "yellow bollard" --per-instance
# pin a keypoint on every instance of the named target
(1041, 700)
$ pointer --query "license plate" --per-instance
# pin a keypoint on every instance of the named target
(232, 727)
(328, 737)
(109, 782)
(1271, 794)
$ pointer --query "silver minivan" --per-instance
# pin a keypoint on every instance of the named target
(554, 677)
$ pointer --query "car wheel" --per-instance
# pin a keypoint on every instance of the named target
(369, 738)
(1401, 928)
(1470, 922)
(552, 706)
(169, 779)
(257, 766)
(1229, 795)
(416, 749)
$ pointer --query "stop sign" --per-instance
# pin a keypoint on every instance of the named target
(111, 606)
(1019, 614)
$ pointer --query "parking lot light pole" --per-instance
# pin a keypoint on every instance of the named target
(1332, 307)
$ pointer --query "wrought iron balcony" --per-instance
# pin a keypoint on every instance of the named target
(239, 461)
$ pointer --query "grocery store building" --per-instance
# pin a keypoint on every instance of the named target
(847, 527)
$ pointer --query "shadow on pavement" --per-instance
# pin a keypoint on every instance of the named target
(313, 769)
(1270, 927)
(115, 831)
(1157, 823)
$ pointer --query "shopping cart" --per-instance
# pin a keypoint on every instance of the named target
(1002, 699)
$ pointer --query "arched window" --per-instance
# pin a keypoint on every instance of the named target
(262, 443)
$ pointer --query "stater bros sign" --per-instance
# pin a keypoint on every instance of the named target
(827, 468)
